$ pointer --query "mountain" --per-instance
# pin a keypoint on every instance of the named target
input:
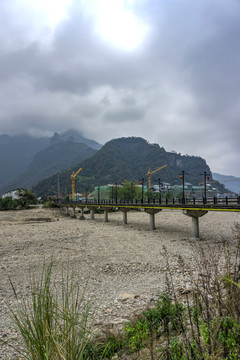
(25, 160)
(128, 158)
(53, 159)
(16, 153)
(229, 181)
(78, 137)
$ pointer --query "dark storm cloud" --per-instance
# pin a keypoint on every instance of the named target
(183, 80)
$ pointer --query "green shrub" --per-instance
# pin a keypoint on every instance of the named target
(25, 198)
(8, 203)
(136, 333)
(48, 204)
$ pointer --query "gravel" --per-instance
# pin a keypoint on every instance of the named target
(120, 268)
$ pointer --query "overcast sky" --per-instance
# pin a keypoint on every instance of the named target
(165, 70)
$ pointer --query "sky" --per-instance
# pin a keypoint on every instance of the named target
(164, 70)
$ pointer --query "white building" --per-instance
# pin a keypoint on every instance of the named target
(14, 194)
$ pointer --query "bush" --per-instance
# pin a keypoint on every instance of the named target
(24, 199)
(48, 204)
(8, 203)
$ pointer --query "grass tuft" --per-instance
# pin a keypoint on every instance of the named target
(53, 324)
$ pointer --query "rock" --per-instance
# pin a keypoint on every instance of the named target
(126, 297)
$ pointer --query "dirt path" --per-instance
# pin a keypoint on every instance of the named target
(121, 268)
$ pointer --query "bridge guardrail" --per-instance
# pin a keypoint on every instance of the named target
(173, 201)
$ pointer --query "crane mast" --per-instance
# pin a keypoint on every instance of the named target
(149, 173)
(73, 182)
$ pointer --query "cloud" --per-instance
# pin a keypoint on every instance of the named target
(179, 87)
(121, 115)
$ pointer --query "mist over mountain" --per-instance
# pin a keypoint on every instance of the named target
(51, 160)
(25, 160)
(127, 158)
(16, 153)
(78, 137)
(229, 181)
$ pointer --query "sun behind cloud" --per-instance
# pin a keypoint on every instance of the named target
(116, 24)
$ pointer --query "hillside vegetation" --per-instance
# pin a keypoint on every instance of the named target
(127, 158)
(25, 160)
(51, 160)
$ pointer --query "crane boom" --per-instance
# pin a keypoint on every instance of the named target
(152, 172)
(231, 180)
(73, 182)
(207, 182)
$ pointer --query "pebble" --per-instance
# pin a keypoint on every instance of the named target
(122, 270)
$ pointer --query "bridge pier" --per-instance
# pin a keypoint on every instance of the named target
(92, 214)
(74, 214)
(82, 217)
(152, 213)
(106, 215)
(67, 212)
(195, 215)
(124, 211)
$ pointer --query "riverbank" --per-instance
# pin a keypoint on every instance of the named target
(121, 269)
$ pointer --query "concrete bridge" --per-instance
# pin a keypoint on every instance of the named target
(192, 208)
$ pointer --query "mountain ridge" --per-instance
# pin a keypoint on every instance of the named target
(17, 155)
(229, 181)
(128, 158)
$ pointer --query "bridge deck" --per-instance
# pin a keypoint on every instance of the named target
(194, 209)
(189, 206)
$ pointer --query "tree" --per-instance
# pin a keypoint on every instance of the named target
(126, 191)
(8, 203)
(26, 198)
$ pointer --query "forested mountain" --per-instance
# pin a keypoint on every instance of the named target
(25, 160)
(127, 158)
(16, 153)
(51, 160)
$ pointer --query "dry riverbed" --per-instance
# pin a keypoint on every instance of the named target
(121, 269)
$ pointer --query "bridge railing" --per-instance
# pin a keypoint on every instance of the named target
(165, 201)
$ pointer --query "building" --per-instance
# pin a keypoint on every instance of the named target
(14, 194)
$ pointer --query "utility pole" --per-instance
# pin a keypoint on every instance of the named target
(116, 193)
(182, 176)
(142, 189)
(206, 177)
(159, 189)
(98, 194)
(58, 189)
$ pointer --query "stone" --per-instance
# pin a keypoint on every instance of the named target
(125, 297)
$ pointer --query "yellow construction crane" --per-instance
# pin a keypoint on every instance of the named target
(150, 173)
(207, 182)
(73, 182)
(231, 180)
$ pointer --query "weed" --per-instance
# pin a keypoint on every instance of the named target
(53, 325)
(136, 334)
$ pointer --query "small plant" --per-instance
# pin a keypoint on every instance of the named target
(48, 204)
(136, 334)
(53, 325)
(162, 320)
(108, 347)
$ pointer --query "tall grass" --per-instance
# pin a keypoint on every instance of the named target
(53, 323)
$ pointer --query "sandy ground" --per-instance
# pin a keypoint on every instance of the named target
(122, 268)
